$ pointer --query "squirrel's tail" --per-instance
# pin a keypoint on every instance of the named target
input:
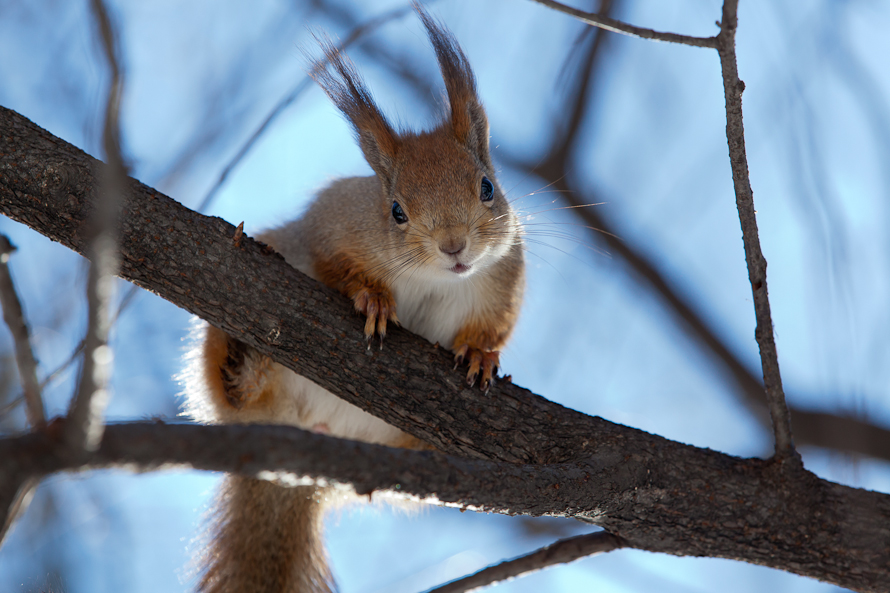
(266, 539)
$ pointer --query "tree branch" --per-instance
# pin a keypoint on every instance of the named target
(88, 407)
(24, 356)
(656, 494)
(560, 552)
(609, 24)
(735, 136)
(17, 495)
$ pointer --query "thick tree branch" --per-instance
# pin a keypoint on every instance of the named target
(609, 24)
(735, 136)
(288, 455)
(686, 500)
(561, 552)
(655, 494)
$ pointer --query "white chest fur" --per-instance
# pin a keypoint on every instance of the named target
(435, 309)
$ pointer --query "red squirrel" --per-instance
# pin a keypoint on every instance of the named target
(430, 242)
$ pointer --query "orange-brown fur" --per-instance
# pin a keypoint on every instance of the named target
(286, 554)
(452, 272)
(252, 389)
(372, 297)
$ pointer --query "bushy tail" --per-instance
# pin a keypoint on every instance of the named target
(266, 539)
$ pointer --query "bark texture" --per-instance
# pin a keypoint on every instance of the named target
(527, 455)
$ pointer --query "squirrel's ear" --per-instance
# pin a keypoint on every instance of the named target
(468, 119)
(343, 84)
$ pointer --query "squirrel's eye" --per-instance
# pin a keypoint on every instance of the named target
(398, 214)
(487, 192)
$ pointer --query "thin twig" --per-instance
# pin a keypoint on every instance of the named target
(72, 358)
(14, 500)
(24, 356)
(11, 405)
(87, 410)
(609, 24)
(735, 136)
(561, 552)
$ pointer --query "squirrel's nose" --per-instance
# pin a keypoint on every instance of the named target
(452, 246)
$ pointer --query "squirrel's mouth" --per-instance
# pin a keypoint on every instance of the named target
(460, 269)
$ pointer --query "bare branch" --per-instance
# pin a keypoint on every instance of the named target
(560, 552)
(22, 492)
(609, 24)
(735, 136)
(15, 497)
(24, 356)
(88, 406)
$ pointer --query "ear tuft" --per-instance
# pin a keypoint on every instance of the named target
(468, 119)
(338, 78)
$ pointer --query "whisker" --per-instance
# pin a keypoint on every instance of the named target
(543, 259)
(596, 250)
(540, 190)
(575, 224)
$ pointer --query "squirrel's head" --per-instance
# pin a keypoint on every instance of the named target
(441, 200)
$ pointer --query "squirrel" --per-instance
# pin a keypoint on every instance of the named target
(429, 242)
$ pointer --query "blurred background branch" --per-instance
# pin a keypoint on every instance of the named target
(15, 495)
(18, 328)
(86, 416)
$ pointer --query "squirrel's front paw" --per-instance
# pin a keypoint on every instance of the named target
(486, 362)
(379, 307)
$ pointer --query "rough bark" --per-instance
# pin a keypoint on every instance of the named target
(655, 494)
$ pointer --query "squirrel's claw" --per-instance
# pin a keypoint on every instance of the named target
(378, 308)
(483, 365)
(459, 354)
